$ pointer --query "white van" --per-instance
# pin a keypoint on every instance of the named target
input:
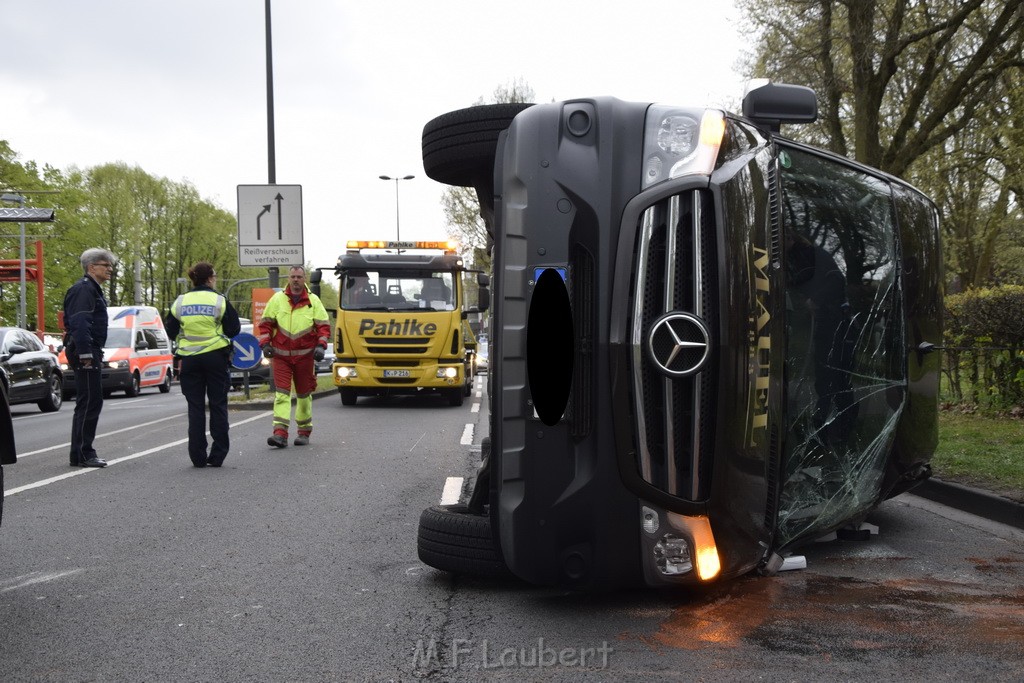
(137, 353)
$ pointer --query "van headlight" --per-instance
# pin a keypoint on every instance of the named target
(117, 364)
(679, 142)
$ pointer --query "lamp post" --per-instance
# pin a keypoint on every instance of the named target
(22, 318)
(398, 225)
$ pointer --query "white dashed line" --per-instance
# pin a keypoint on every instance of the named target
(452, 491)
(467, 435)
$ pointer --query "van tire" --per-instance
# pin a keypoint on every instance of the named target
(165, 386)
(454, 540)
(54, 398)
(133, 389)
(459, 147)
(348, 396)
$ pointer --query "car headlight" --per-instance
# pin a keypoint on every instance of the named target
(678, 142)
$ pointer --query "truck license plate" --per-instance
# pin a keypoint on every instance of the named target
(396, 373)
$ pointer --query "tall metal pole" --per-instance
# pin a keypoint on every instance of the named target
(272, 271)
(22, 318)
(398, 223)
(398, 238)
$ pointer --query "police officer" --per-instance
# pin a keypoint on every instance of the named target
(85, 322)
(294, 332)
(204, 322)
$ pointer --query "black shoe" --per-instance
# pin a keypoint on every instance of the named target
(75, 463)
(93, 462)
(211, 463)
(277, 441)
(199, 464)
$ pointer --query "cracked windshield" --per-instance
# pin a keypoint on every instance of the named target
(844, 359)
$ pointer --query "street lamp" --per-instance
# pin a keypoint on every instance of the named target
(22, 318)
(398, 226)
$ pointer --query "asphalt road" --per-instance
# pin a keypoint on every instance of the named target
(301, 565)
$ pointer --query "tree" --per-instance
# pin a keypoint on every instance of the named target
(917, 88)
(460, 204)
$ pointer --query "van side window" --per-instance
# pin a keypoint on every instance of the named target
(157, 339)
(845, 361)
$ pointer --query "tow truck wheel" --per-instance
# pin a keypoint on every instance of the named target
(455, 397)
(348, 396)
(452, 539)
(134, 387)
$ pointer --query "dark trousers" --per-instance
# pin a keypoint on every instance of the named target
(88, 404)
(207, 376)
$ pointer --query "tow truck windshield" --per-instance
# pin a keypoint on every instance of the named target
(398, 290)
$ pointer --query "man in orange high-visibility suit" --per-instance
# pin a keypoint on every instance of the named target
(293, 333)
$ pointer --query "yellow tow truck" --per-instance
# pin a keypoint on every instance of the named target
(402, 323)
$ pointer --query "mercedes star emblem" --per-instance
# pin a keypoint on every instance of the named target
(679, 344)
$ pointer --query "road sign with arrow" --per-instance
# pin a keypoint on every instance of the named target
(245, 351)
(270, 225)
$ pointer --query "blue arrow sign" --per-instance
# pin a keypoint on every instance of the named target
(246, 353)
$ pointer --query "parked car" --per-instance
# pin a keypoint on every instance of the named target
(325, 365)
(482, 364)
(29, 371)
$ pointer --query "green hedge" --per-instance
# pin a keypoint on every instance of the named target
(984, 358)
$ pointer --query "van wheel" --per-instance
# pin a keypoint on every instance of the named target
(452, 539)
(54, 398)
(455, 397)
(459, 147)
(165, 386)
(133, 389)
(348, 397)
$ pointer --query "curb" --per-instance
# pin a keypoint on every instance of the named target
(975, 501)
(268, 403)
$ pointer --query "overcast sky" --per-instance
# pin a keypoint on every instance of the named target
(179, 88)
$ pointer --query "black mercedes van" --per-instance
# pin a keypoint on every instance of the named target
(710, 343)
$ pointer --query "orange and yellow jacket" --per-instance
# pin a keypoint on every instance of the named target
(294, 329)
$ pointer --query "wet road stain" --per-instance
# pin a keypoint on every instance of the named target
(803, 613)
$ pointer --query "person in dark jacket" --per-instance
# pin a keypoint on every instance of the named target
(204, 322)
(85, 322)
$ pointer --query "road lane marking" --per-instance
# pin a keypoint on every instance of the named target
(39, 577)
(452, 491)
(100, 436)
(467, 435)
(475, 408)
(87, 470)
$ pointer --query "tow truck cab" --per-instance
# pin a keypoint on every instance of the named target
(402, 321)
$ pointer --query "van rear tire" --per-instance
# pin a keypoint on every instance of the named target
(165, 386)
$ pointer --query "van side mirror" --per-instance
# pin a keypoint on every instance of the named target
(773, 104)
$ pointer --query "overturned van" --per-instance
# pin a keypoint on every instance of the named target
(710, 343)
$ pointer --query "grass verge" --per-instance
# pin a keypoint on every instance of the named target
(983, 452)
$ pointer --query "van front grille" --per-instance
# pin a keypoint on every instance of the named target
(674, 258)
